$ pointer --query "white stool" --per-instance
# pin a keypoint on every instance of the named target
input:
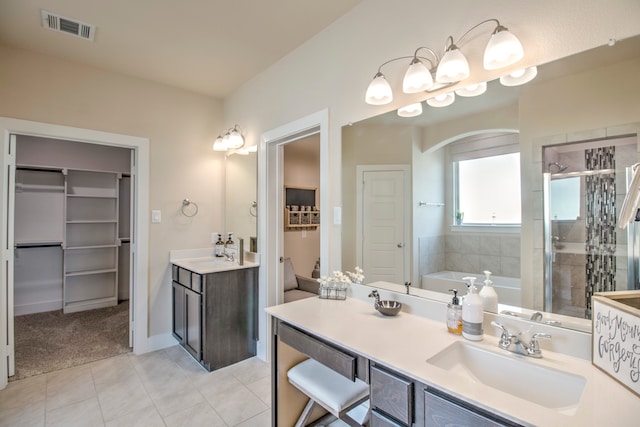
(327, 388)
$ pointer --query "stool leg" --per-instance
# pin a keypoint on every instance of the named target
(306, 412)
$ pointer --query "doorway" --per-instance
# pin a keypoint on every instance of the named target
(271, 217)
(71, 234)
(301, 162)
(139, 231)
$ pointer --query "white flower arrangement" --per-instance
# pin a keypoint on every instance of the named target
(335, 286)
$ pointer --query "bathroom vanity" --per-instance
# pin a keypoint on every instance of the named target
(419, 374)
(215, 309)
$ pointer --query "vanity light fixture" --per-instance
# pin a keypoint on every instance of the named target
(442, 100)
(232, 139)
(519, 77)
(472, 90)
(411, 110)
(427, 72)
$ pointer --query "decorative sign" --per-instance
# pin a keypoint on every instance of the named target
(616, 336)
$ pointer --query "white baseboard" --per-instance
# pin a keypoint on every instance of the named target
(38, 307)
(153, 343)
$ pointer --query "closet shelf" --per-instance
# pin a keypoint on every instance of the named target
(89, 272)
(39, 187)
(91, 247)
(92, 196)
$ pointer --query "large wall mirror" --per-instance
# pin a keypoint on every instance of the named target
(241, 209)
(408, 211)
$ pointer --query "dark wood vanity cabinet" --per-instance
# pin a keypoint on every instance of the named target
(215, 316)
(441, 409)
(399, 401)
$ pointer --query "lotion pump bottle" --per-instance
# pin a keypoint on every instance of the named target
(489, 295)
(472, 314)
(219, 246)
(454, 314)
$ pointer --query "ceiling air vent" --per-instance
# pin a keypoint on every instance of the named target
(67, 25)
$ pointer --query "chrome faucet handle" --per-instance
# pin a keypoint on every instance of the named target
(505, 337)
(534, 346)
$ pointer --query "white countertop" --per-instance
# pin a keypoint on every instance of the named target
(406, 341)
(202, 261)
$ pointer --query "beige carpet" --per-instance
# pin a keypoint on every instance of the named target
(46, 342)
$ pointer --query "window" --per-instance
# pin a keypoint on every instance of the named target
(488, 190)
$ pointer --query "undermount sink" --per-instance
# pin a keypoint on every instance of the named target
(545, 386)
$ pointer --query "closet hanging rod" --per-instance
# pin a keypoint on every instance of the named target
(38, 168)
(37, 245)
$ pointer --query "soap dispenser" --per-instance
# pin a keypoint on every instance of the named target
(472, 314)
(489, 295)
(454, 314)
(219, 247)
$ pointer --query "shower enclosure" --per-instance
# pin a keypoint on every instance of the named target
(585, 251)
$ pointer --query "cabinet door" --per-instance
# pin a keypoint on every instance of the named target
(193, 322)
(392, 395)
(178, 304)
(441, 410)
(231, 313)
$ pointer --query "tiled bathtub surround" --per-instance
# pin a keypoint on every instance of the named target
(471, 253)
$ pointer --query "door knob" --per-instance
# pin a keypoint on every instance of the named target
(401, 245)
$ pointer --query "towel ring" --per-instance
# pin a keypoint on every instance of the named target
(253, 209)
(185, 204)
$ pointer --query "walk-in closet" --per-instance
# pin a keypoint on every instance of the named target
(71, 216)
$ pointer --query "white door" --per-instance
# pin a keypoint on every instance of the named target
(133, 252)
(384, 235)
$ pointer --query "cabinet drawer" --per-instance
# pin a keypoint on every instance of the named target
(187, 278)
(379, 420)
(333, 357)
(442, 410)
(392, 395)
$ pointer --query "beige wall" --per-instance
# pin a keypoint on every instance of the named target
(180, 126)
(302, 169)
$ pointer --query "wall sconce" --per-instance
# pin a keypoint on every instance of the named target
(427, 72)
(232, 139)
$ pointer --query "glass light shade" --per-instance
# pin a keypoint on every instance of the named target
(453, 67)
(442, 100)
(379, 91)
(502, 50)
(235, 139)
(219, 145)
(417, 78)
(519, 77)
(410, 110)
(472, 90)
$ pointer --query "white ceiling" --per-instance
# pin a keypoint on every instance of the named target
(206, 46)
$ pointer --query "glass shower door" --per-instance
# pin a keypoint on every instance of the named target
(585, 251)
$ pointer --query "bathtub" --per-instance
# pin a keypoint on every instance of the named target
(507, 288)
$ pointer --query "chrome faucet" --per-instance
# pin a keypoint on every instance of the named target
(514, 343)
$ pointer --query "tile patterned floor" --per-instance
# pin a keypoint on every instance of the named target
(165, 388)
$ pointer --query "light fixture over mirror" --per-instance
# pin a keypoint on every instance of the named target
(232, 139)
(430, 73)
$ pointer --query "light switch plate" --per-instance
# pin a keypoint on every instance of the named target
(156, 217)
(337, 215)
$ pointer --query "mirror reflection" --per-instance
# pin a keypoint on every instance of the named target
(240, 208)
(437, 233)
